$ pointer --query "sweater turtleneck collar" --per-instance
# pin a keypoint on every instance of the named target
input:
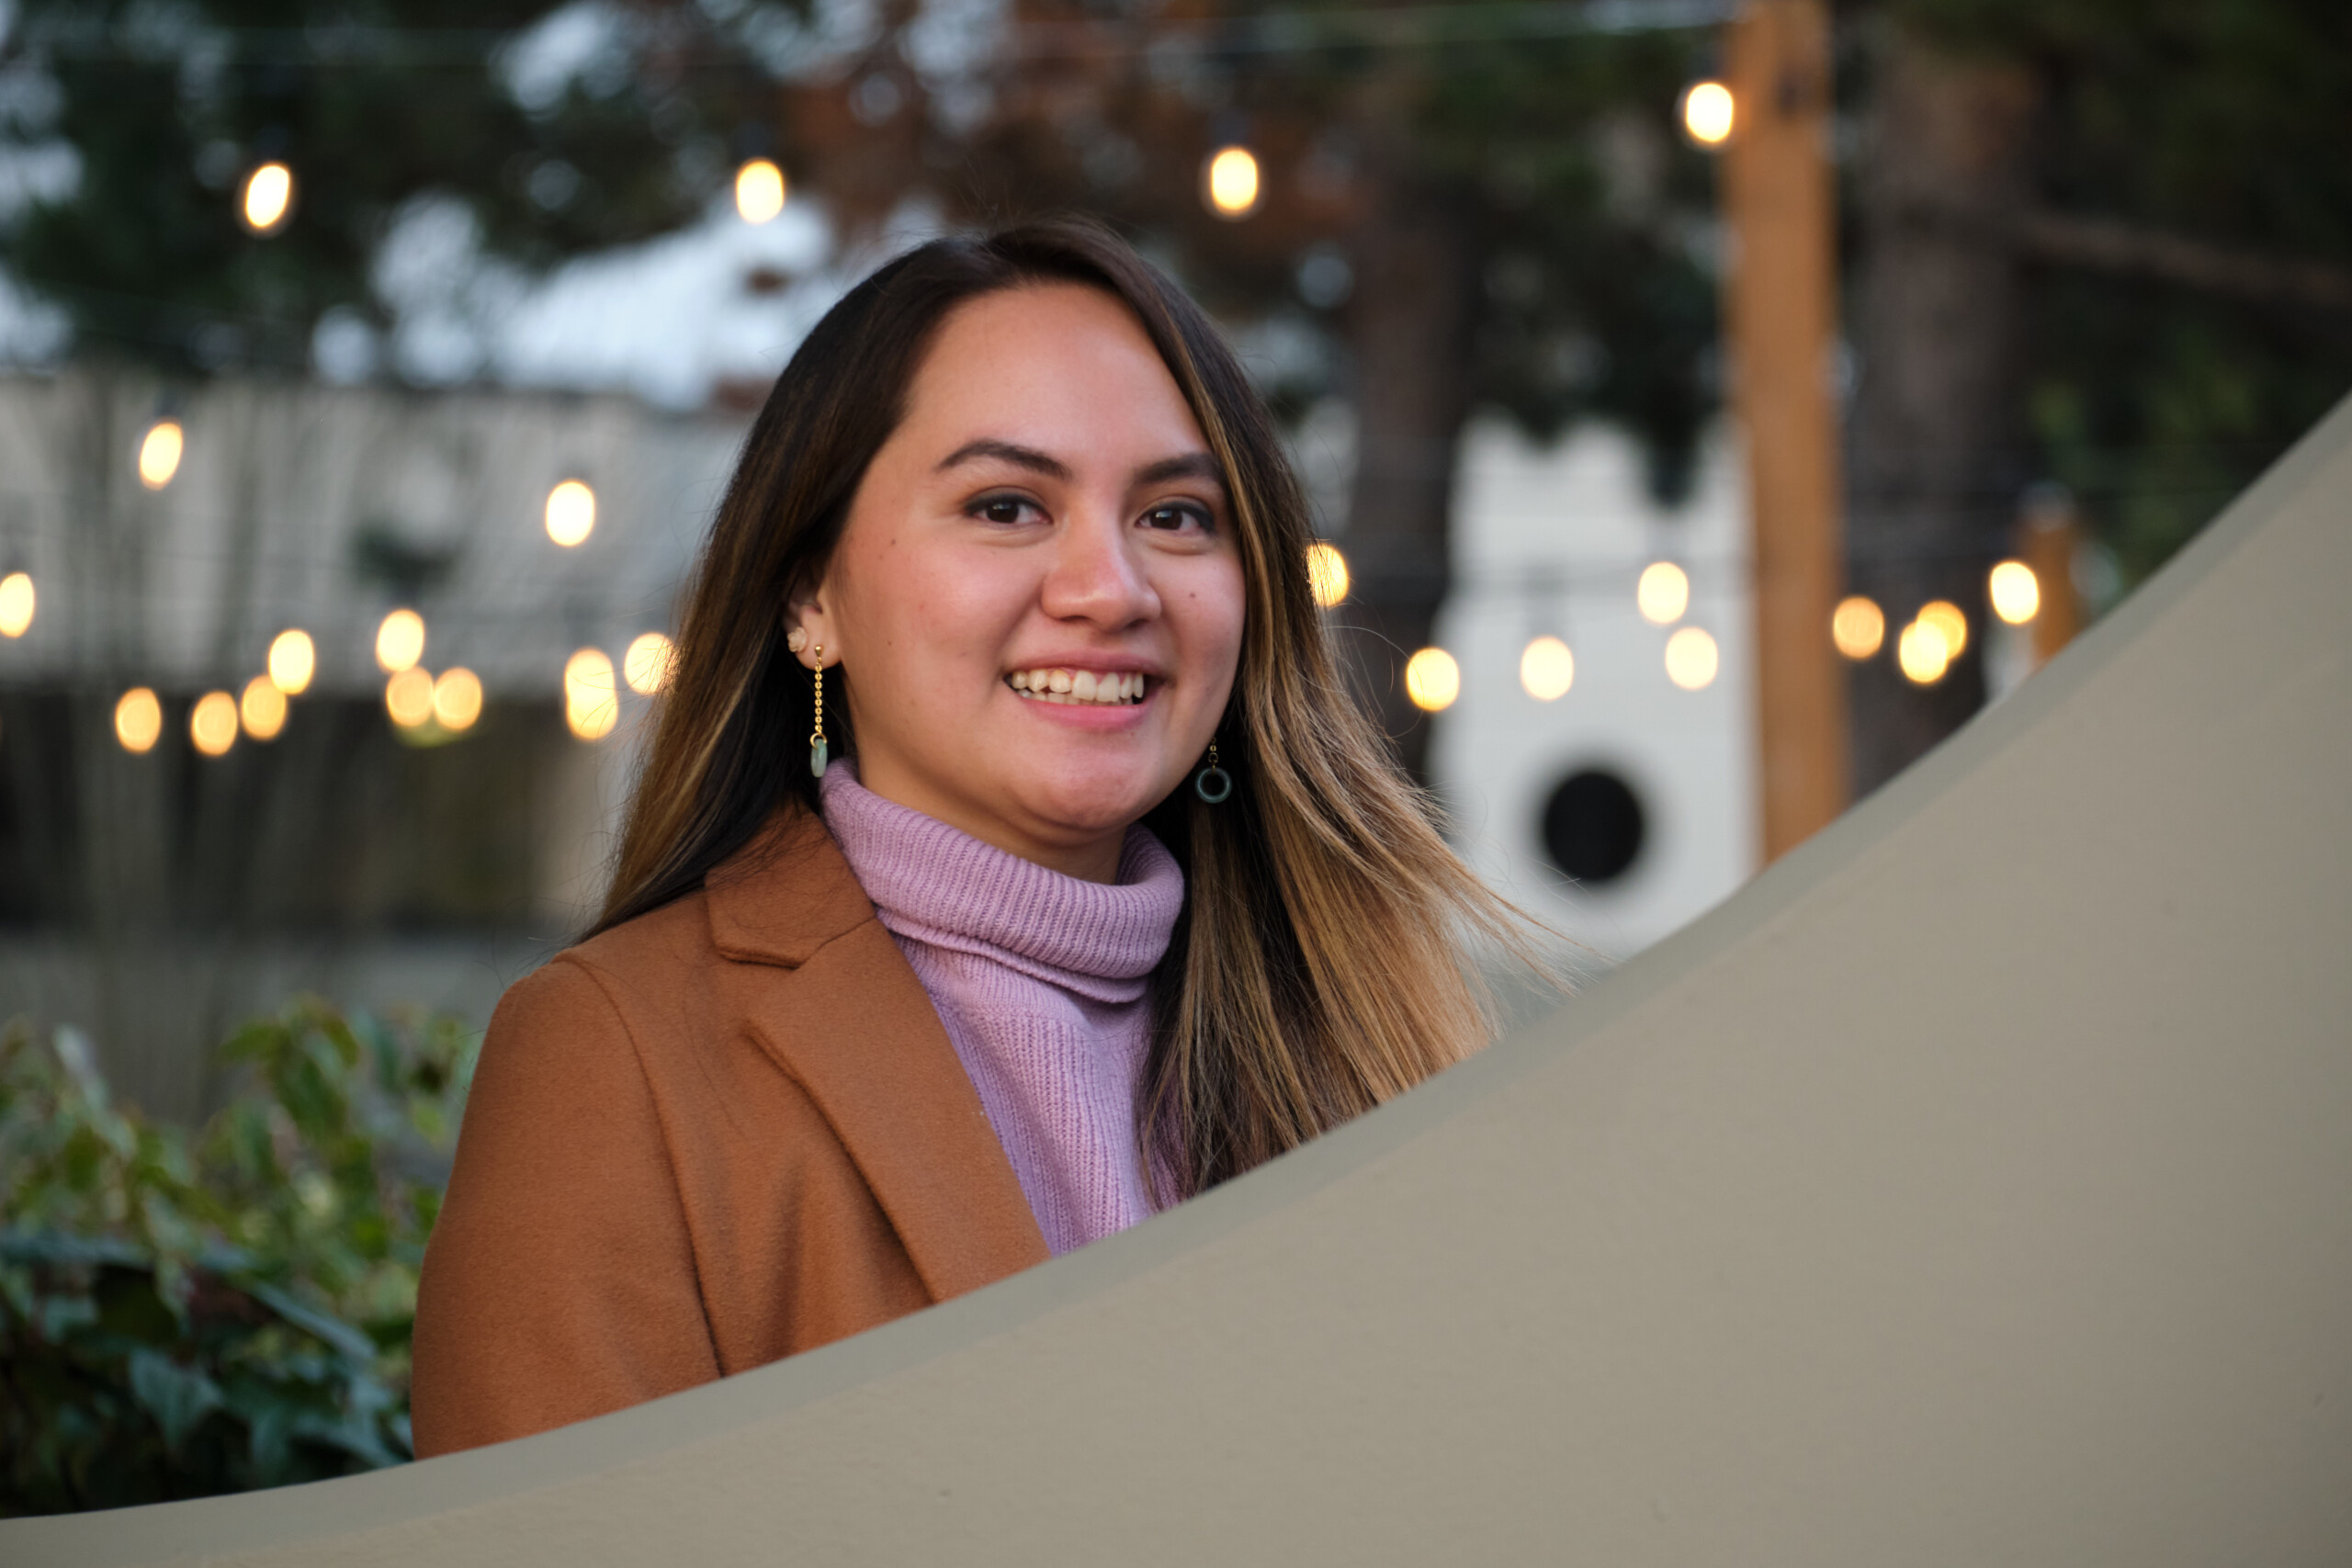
(936, 884)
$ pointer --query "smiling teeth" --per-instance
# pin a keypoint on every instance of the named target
(1100, 688)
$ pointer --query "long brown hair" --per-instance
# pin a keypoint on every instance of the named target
(1318, 968)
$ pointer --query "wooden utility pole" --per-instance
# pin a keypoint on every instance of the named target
(1781, 301)
(2048, 540)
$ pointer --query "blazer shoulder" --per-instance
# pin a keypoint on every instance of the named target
(779, 900)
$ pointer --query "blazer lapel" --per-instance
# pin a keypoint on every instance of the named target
(833, 1000)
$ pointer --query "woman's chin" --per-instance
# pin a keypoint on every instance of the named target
(1085, 807)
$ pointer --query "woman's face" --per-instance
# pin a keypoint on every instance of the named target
(1037, 595)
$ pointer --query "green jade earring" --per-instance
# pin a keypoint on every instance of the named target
(1212, 783)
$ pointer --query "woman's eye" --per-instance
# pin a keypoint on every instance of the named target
(1002, 509)
(1173, 518)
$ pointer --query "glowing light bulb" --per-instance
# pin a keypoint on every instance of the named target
(1857, 626)
(1708, 112)
(1691, 658)
(1432, 680)
(1230, 181)
(590, 706)
(457, 699)
(400, 641)
(408, 697)
(159, 452)
(138, 719)
(293, 659)
(1945, 617)
(1547, 669)
(571, 513)
(267, 197)
(1663, 594)
(646, 665)
(1327, 574)
(263, 708)
(1922, 653)
(2016, 592)
(759, 191)
(16, 604)
(212, 723)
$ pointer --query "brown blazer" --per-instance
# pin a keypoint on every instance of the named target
(719, 1134)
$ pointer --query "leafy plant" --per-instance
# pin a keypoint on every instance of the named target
(185, 1311)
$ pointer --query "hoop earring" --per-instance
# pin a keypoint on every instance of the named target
(1212, 783)
(816, 748)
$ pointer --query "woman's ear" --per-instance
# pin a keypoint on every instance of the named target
(808, 628)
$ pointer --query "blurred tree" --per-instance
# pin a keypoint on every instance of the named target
(2102, 242)
(548, 141)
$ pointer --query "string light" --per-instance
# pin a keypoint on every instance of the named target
(1945, 617)
(2016, 592)
(457, 699)
(1708, 112)
(1663, 592)
(16, 604)
(1922, 653)
(1691, 658)
(212, 723)
(1547, 669)
(263, 708)
(1432, 680)
(590, 706)
(159, 452)
(267, 197)
(571, 513)
(408, 697)
(138, 719)
(400, 641)
(1230, 182)
(293, 659)
(1857, 626)
(1327, 574)
(646, 665)
(759, 191)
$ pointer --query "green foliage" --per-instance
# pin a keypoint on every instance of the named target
(187, 1313)
(2223, 123)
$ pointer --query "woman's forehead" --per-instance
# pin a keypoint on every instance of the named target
(1059, 369)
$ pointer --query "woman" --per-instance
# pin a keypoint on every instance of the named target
(1008, 862)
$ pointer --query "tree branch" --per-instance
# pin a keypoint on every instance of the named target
(2101, 244)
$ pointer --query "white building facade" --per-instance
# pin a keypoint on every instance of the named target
(1552, 541)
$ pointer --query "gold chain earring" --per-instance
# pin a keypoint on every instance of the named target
(816, 748)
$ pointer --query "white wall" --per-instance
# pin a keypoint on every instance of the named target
(1552, 540)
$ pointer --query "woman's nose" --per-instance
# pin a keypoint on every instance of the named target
(1097, 576)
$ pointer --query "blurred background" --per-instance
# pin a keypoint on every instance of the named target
(1707, 408)
(372, 370)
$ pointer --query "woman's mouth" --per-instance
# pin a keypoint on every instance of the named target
(1100, 688)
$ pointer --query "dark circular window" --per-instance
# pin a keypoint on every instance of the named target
(1592, 826)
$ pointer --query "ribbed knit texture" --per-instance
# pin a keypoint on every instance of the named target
(1041, 980)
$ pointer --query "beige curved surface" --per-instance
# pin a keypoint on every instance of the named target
(1976, 1187)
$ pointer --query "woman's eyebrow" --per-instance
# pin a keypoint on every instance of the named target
(1190, 466)
(1005, 451)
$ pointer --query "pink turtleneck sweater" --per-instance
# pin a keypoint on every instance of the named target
(1041, 980)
